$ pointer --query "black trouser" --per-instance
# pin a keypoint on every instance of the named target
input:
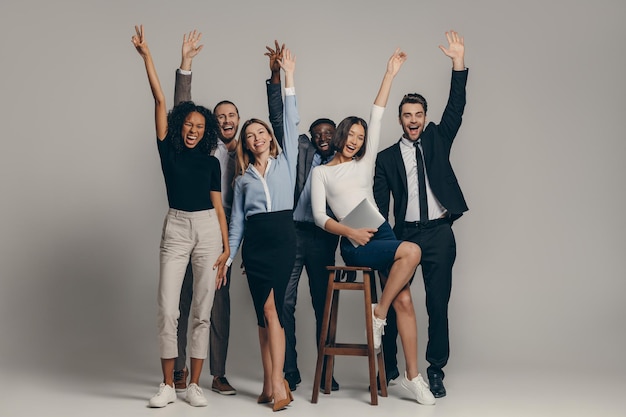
(438, 254)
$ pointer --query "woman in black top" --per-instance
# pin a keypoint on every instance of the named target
(195, 227)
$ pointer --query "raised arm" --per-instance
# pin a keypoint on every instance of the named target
(291, 118)
(452, 116)
(393, 67)
(274, 93)
(288, 64)
(190, 48)
(160, 109)
(455, 50)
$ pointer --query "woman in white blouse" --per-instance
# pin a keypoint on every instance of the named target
(342, 184)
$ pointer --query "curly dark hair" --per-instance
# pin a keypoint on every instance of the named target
(175, 119)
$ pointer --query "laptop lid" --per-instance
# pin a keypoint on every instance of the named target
(364, 215)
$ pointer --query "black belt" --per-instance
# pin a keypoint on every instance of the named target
(305, 225)
(427, 224)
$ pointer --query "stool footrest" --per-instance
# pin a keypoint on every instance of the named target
(346, 349)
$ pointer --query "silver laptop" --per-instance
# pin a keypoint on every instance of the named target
(364, 215)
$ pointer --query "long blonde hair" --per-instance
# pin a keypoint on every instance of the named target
(244, 156)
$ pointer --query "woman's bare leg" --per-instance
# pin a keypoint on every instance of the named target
(408, 256)
(407, 329)
(276, 336)
(266, 359)
(167, 366)
(196, 370)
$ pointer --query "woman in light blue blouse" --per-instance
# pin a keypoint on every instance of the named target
(262, 216)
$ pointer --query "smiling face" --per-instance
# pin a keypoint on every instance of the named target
(354, 141)
(193, 129)
(258, 139)
(412, 119)
(228, 120)
(321, 137)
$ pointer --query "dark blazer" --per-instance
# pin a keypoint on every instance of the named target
(437, 139)
(306, 149)
(182, 88)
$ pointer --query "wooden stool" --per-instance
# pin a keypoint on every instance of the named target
(328, 346)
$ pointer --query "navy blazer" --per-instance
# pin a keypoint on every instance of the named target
(437, 139)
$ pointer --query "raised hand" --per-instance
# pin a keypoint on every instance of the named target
(455, 49)
(393, 67)
(275, 56)
(160, 111)
(139, 41)
(288, 61)
(395, 62)
(190, 44)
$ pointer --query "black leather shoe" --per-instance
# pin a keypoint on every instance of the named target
(389, 376)
(293, 379)
(334, 385)
(435, 381)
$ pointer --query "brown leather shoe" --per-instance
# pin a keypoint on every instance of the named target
(180, 379)
(221, 386)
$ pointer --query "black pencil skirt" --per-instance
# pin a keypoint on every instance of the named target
(268, 253)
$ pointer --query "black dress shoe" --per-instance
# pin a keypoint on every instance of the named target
(436, 385)
(389, 376)
(334, 385)
(293, 379)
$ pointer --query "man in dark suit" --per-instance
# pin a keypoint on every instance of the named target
(315, 247)
(417, 172)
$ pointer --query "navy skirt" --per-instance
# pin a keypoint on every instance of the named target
(268, 253)
(378, 253)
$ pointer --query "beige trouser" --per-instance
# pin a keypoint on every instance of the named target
(196, 235)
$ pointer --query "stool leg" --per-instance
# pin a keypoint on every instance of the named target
(330, 341)
(321, 349)
(371, 354)
(382, 374)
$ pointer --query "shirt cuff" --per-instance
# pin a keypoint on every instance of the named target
(184, 72)
(290, 91)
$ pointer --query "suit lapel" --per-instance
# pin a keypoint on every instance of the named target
(400, 167)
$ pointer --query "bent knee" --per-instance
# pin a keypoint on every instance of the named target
(411, 251)
(403, 302)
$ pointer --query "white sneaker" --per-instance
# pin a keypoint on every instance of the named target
(166, 395)
(195, 396)
(419, 388)
(379, 328)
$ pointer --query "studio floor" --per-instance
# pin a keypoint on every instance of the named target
(470, 393)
